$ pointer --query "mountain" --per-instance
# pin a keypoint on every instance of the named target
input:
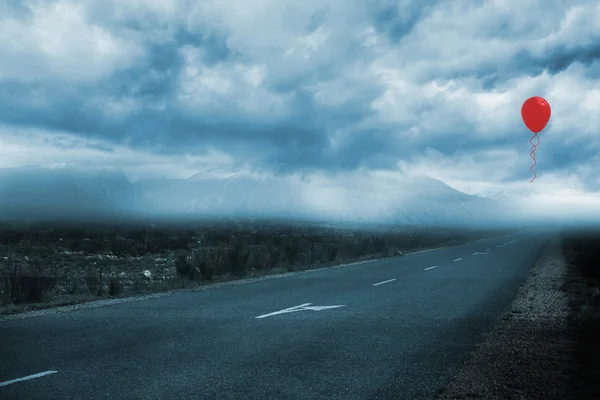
(40, 193)
(239, 195)
(360, 198)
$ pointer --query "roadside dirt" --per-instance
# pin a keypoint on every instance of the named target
(531, 351)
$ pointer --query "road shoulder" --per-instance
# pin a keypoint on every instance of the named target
(529, 354)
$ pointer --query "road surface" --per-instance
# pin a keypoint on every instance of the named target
(391, 329)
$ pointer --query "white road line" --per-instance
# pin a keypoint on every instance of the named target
(321, 308)
(287, 310)
(25, 378)
(509, 242)
(381, 283)
(487, 249)
(427, 269)
(512, 241)
(301, 307)
(458, 259)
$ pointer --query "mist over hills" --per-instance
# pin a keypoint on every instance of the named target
(73, 194)
(40, 193)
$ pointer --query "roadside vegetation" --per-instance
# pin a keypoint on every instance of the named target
(582, 250)
(52, 264)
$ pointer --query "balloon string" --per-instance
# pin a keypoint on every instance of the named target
(532, 154)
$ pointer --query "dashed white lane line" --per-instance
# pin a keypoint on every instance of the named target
(427, 269)
(26, 378)
(381, 283)
(488, 249)
(458, 259)
(515, 240)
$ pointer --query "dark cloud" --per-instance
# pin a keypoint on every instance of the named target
(303, 138)
(566, 152)
(16, 9)
(301, 133)
(559, 58)
(316, 20)
(396, 19)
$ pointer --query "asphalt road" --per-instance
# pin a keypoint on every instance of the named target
(401, 328)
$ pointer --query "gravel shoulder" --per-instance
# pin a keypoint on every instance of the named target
(530, 353)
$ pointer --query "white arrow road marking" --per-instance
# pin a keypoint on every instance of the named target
(301, 307)
(381, 283)
(287, 310)
(25, 378)
(320, 308)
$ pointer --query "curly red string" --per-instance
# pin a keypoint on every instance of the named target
(532, 154)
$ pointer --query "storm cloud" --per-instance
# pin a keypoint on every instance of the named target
(172, 87)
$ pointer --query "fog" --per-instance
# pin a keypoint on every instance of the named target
(359, 198)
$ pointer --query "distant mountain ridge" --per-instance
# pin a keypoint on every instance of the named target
(72, 193)
(64, 192)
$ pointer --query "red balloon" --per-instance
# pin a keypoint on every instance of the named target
(536, 113)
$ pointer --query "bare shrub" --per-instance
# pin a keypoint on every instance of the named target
(114, 286)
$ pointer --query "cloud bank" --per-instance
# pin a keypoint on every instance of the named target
(172, 88)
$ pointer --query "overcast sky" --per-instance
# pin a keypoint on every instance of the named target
(173, 87)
